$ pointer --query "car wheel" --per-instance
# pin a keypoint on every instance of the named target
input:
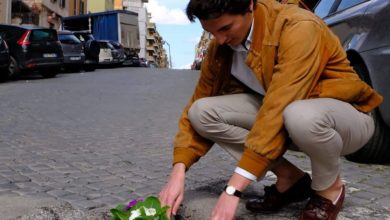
(50, 73)
(3, 74)
(377, 150)
(13, 69)
(89, 67)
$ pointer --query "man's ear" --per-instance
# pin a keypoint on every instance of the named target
(250, 9)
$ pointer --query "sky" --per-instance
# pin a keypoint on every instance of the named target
(175, 28)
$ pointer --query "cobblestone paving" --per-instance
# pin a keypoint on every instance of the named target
(98, 139)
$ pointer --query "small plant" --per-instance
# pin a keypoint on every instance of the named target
(150, 209)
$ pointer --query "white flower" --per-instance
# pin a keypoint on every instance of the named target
(134, 214)
(137, 213)
(150, 211)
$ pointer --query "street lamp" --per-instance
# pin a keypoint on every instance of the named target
(169, 49)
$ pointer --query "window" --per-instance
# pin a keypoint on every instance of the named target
(69, 39)
(62, 3)
(348, 3)
(82, 7)
(43, 35)
(74, 7)
(323, 8)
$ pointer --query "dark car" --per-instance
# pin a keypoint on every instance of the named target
(32, 48)
(132, 58)
(362, 27)
(73, 50)
(91, 49)
(120, 49)
(143, 62)
(4, 59)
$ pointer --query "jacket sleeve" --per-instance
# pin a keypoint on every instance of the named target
(189, 146)
(300, 60)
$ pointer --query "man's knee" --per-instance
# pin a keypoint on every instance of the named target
(200, 115)
(303, 121)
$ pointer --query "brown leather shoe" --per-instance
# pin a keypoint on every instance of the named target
(320, 208)
(273, 200)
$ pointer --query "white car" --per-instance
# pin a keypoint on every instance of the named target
(108, 54)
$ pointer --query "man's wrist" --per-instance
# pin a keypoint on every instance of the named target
(178, 169)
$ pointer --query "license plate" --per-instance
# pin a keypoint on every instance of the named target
(49, 55)
(75, 58)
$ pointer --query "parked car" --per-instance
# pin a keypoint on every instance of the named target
(91, 49)
(4, 59)
(143, 62)
(32, 48)
(121, 50)
(73, 50)
(108, 54)
(132, 58)
(361, 26)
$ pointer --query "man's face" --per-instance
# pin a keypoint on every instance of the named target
(229, 29)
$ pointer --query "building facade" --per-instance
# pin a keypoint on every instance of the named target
(155, 52)
(201, 49)
(118, 4)
(46, 13)
(100, 6)
(51, 13)
(78, 7)
(5, 11)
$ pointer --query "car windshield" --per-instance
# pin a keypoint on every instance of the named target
(43, 35)
(68, 39)
(105, 45)
(84, 36)
(116, 45)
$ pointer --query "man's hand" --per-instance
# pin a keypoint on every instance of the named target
(173, 192)
(226, 205)
(225, 208)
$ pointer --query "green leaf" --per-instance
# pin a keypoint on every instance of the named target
(142, 210)
(119, 215)
(121, 207)
(152, 202)
(137, 206)
(162, 211)
(145, 218)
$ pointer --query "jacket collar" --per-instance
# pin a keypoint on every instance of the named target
(265, 16)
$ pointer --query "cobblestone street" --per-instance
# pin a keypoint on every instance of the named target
(98, 139)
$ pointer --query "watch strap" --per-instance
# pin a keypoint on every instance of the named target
(235, 193)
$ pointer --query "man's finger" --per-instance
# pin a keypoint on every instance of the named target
(170, 204)
(177, 204)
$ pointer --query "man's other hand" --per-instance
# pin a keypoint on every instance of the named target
(173, 192)
(225, 208)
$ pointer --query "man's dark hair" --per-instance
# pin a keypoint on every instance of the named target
(210, 9)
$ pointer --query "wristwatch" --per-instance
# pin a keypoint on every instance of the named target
(232, 191)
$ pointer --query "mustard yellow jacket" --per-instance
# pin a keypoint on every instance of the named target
(294, 56)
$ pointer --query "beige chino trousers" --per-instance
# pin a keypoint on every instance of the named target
(322, 128)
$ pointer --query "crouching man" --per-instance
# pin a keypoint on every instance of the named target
(274, 78)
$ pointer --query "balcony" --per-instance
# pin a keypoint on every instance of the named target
(150, 48)
(150, 37)
(150, 58)
(151, 26)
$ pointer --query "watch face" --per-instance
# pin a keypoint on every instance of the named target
(230, 190)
